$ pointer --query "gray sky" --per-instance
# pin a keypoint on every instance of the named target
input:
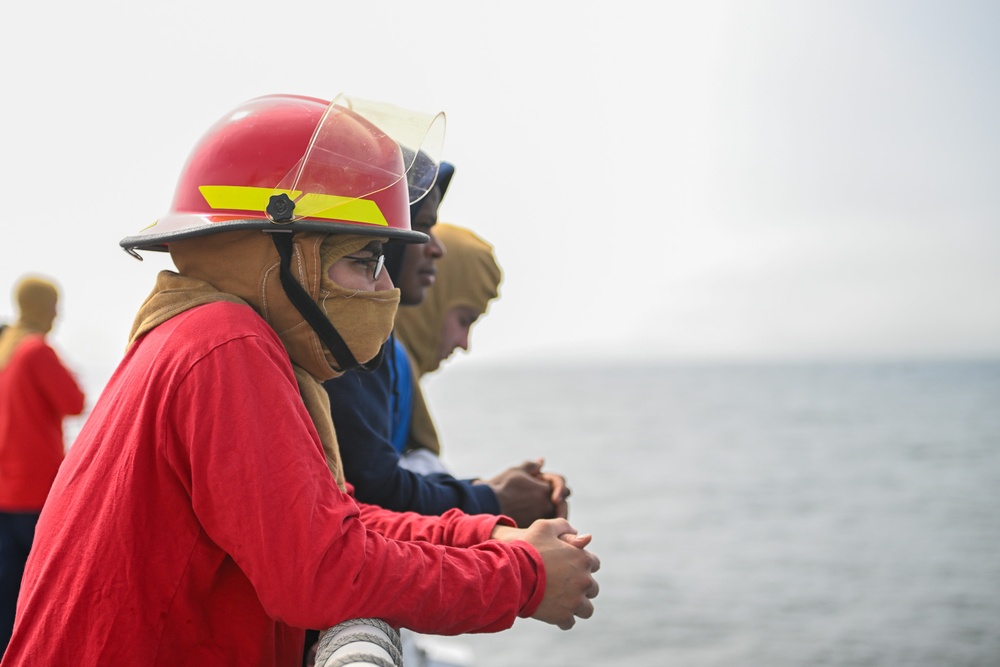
(712, 180)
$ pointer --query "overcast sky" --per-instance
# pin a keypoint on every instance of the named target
(698, 180)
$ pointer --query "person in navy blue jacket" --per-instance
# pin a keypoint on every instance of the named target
(364, 404)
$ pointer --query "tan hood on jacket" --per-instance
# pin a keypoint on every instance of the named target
(467, 275)
(245, 265)
(36, 300)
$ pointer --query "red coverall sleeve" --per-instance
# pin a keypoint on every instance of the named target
(244, 443)
(55, 382)
(454, 528)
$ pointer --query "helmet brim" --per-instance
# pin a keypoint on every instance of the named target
(152, 240)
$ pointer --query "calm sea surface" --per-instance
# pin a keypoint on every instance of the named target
(756, 515)
(775, 516)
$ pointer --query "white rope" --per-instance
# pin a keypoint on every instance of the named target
(360, 642)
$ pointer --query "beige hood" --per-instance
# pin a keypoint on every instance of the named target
(36, 302)
(467, 275)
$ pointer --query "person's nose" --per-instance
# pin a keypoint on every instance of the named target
(434, 248)
(383, 282)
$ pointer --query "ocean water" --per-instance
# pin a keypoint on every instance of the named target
(782, 515)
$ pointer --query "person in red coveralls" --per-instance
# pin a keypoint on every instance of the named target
(202, 517)
(36, 393)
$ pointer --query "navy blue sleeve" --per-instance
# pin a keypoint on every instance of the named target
(359, 403)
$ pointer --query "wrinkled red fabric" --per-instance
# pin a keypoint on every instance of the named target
(195, 522)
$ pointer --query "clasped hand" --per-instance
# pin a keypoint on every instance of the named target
(570, 586)
(526, 494)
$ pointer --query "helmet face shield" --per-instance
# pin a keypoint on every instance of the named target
(420, 137)
(299, 163)
(360, 148)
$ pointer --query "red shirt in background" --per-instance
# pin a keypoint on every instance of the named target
(36, 393)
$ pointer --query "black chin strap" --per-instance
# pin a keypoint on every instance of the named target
(312, 313)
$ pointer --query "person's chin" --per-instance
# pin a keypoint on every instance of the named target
(412, 296)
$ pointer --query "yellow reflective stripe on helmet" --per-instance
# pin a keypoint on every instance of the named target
(310, 205)
(335, 207)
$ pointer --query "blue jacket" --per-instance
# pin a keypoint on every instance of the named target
(360, 404)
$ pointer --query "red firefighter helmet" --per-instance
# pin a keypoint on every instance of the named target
(287, 162)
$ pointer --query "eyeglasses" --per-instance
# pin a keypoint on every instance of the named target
(378, 262)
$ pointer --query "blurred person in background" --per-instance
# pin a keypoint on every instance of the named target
(36, 393)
